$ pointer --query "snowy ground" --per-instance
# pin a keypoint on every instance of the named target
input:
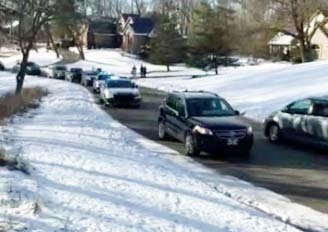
(89, 173)
(42, 57)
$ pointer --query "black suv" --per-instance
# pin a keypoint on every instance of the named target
(204, 122)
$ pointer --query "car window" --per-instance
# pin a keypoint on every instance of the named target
(320, 109)
(180, 107)
(102, 77)
(171, 102)
(209, 107)
(299, 107)
(119, 84)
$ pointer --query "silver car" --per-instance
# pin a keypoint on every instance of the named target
(304, 120)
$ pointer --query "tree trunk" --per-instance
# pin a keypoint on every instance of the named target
(302, 50)
(22, 72)
(168, 67)
(54, 46)
(81, 51)
(216, 70)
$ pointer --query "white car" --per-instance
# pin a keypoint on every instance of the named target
(99, 81)
(118, 91)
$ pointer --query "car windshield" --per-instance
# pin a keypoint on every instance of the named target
(60, 68)
(209, 107)
(92, 73)
(31, 64)
(76, 70)
(103, 77)
(119, 84)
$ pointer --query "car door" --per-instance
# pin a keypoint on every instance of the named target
(317, 121)
(170, 114)
(179, 119)
(294, 119)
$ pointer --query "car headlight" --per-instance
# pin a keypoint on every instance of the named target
(136, 94)
(202, 130)
(108, 94)
(249, 130)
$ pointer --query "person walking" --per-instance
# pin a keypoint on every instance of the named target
(144, 71)
(141, 71)
(134, 72)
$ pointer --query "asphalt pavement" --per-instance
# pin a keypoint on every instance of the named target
(298, 172)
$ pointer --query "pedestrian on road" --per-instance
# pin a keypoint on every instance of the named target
(134, 72)
(141, 71)
(144, 71)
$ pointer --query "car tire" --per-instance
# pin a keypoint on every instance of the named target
(191, 146)
(161, 130)
(273, 132)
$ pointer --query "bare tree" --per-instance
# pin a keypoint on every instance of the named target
(32, 15)
(299, 13)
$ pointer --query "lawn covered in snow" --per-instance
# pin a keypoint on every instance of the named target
(257, 90)
(42, 57)
(89, 173)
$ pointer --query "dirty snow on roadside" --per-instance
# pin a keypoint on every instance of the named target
(89, 173)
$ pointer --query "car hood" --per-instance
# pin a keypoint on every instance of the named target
(123, 90)
(227, 122)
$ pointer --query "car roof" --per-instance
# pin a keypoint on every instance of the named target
(195, 94)
(322, 98)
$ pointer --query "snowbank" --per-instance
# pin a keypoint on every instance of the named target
(90, 173)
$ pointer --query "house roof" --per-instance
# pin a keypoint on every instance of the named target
(102, 25)
(282, 40)
(142, 25)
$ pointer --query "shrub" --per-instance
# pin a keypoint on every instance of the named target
(297, 60)
(11, 103)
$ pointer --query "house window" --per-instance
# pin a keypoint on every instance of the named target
(315, 46)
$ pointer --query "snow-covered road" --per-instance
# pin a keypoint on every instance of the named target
(89, 173)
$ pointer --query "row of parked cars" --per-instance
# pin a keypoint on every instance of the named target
(204, 121)
(113, 90)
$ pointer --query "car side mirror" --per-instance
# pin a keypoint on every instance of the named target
(237, 112)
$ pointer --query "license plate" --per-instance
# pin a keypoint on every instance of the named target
(232, 142)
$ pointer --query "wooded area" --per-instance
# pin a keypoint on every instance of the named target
(198, 32)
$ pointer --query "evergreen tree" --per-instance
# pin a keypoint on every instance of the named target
(208, 39)
(167, 47)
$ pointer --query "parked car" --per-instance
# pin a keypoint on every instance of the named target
(204, 122)
(100, 80)
(305, 121)
(74, 75)
(118, 91)
(2, 66)
(88, 77)
(58, 72)
(31, 68)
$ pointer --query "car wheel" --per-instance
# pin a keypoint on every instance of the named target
(162, 130)
(191, 146)
(274, 133)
